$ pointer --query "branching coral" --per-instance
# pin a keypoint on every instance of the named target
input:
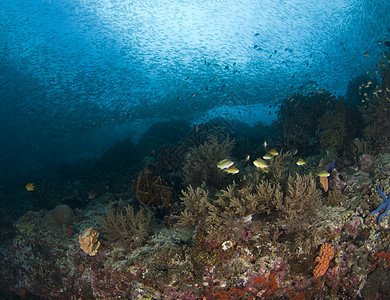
(201, 163)
(233, 208)
(231, 211)
(151, 190)
(299, 205)
(196, 207)
(124, 224)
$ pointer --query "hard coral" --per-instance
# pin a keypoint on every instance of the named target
(88, 240)
(326, 255)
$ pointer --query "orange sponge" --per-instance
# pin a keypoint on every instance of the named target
(88, 240)
(326, 255)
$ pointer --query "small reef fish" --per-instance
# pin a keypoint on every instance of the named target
(267, 156)
(366, 54)
(30, 186)
(225, 164)
(243, 184)
(246, 219)
(321, 162)
(323, 173)
(93, 194)
(265, 145)
(247, 158)
(260, 163)
(300, 162)
(232, 170)
(273, 152)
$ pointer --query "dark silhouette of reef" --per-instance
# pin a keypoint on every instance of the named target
(317, 121)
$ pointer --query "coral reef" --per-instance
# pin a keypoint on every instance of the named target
(274, 234)
(256, 238)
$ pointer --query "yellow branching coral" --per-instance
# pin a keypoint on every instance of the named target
(88, 240)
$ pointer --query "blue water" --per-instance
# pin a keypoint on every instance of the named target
(77, 76)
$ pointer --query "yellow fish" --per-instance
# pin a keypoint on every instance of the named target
(247, 157)
(323, 173)
(273, 152)
(259, 163)
(225, 164)
(232, 170)
(267, 156)
(30, 187)
(300, 162)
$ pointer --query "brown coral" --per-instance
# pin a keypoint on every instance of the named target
(299, 205)
(230, 212)
(201, 163)
(151, 190)
(124, 224)
(88, 240)
(196, 207)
